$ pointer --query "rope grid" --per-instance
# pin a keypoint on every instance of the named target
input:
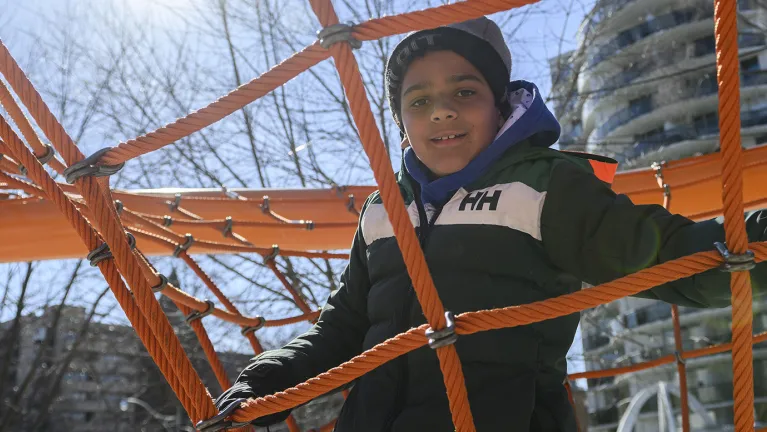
(90, 209)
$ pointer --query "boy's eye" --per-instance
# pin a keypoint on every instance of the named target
(418, 102)
(465, 92)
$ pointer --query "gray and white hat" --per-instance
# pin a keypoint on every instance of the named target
(480, 41)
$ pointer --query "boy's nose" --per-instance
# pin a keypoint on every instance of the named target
(443, 112)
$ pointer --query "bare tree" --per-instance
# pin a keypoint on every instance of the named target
(112, 76)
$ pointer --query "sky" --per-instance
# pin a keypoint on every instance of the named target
(542, 30)
(545, 28)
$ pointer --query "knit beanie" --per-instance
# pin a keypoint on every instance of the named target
(479, 41)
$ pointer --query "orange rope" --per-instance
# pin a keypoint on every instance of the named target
(207, 348)
(25, 127)
(237, 99)
(297, 297)
(92, 240)
(152, 326)
(433, 17)
(660, 361)
(97, 195)
(348, 69)
(728, 76)
(219, 224)
(681, 369)
(243, 248)
(572, 404)
(473, 322)
(680, 366)
(27, 187)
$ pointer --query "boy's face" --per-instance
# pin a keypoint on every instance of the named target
(443, 95)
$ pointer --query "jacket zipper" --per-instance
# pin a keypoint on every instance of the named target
(425, 224)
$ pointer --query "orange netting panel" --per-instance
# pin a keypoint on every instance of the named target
(91, 210)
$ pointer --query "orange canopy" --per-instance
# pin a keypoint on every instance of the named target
(314, 220)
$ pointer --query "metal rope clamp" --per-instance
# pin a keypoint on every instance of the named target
(102, 252)
(219, 421)
(338, 33)
(227, 231)
(173, 205)
(658, 168)
(255, 328)
(89, 167)
(735, 262)
(184, 247)
(445, 336)
(44, 159)
(195, 315)
(119, 207)
(162, 285)
(679, 358)
(167, 221)
(273, 254)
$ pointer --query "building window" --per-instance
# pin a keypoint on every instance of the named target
(704, 46)
(653, 135)
(749, 65)
(707, 123)
(640, 105)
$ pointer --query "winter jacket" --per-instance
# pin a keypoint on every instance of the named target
(532, 224)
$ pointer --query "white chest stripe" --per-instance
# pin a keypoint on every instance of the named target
(513, 205)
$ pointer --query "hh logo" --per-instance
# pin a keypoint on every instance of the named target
(477, 200)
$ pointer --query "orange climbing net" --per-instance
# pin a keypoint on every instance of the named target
(90, 208)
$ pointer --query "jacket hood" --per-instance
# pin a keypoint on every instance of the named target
(530, 120)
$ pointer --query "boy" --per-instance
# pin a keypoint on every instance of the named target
(503, 220)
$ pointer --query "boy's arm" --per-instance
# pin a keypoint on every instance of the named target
(598, 236)
(335, 338)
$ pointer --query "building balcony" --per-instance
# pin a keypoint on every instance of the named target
(686, 133)
(639, 32)
(604, 11)
(706, 87)
(668, 58)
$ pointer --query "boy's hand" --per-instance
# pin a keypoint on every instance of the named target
(242, 390)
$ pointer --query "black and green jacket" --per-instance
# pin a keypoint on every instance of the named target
(533, 227)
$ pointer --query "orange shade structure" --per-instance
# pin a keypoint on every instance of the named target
(317, 219)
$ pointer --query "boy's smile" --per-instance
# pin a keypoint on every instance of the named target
(448, 111)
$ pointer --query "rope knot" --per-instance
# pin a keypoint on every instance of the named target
(331, 35)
